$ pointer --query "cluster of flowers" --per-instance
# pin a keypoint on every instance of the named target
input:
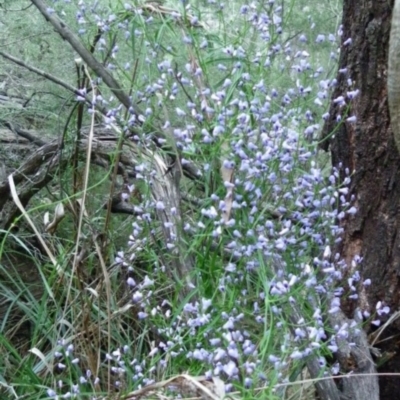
(278, 224)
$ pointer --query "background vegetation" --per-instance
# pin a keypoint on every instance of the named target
(220, 267)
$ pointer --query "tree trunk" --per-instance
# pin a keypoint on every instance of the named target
(367, 148)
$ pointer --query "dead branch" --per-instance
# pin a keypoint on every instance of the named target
(38, 170)
(51, 78)
(39, 72)
(167, 197)
(63, 30)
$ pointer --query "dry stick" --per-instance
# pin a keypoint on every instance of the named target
(195, 380)
(375, 335)
(63, 30)
(107, 282)
(98, 250)
(38, 71)
(51, 78)
(25, 134)
(80, 224)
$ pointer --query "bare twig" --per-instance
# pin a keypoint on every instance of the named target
(53, 79)
(38, 71)
(25, 134)
(64, 31)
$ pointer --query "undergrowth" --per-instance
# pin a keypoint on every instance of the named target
(223, 267)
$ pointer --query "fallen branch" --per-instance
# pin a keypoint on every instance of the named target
(38, 171)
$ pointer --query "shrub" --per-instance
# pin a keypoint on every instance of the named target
(224, 267)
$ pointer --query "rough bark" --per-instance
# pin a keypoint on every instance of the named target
(367, 148)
